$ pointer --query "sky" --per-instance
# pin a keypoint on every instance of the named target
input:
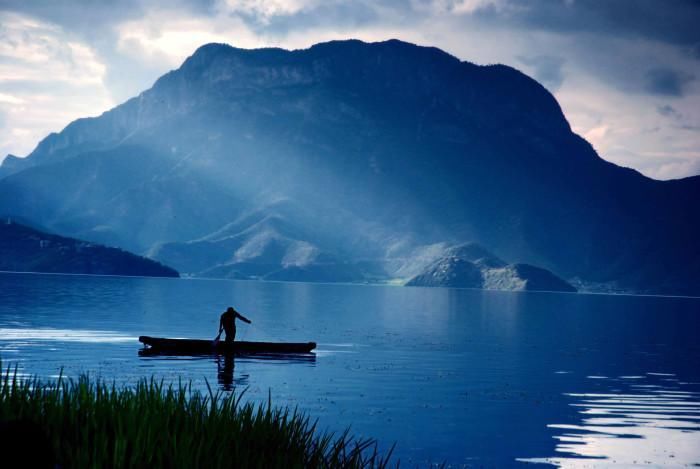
(626, 72)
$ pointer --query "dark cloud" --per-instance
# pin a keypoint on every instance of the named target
(694, 51)
(677, 117)
(675, 21)
(76, 15)
(666, 81)
(547, 69)
(668, 111)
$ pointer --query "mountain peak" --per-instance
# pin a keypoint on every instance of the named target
(343, 50)
(476, 253)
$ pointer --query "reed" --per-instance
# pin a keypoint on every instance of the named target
(89, 423)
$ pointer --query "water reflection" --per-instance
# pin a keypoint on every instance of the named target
(226, 363)
(224, 372)
(657, 408)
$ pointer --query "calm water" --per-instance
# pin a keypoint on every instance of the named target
(462, 376)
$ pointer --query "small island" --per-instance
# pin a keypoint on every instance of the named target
(472, 266)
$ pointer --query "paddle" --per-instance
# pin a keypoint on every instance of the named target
(215, 342)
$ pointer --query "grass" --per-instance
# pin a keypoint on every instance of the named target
(91, 424)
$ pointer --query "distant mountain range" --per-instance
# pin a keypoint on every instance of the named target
(26, 249)
(354, 161)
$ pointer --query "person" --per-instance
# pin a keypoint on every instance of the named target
(227, 323)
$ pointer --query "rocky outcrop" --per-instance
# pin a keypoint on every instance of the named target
(472, 266)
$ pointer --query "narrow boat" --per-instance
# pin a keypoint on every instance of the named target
(203, 346)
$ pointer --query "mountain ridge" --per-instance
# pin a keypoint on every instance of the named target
(26, 249)
(391, 146)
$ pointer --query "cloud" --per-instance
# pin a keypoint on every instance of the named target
(48, 78)
(266, 9)
(666, 82)
(668, 167)
(9, 99)
(29, 51)
(329, 15)
(596, 135)
(547, 69)
(168, 42)
(461, 7)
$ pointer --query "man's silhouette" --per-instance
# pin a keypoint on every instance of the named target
(227, 323)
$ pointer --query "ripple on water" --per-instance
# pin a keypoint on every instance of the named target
(638, 427)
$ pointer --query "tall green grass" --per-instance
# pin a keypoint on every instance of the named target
(92, 424)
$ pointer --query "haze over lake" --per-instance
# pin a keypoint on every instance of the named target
(463, 376)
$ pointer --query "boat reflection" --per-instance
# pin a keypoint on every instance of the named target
(225, 363)
(648, 420)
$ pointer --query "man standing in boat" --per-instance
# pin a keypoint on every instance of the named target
(227, 323)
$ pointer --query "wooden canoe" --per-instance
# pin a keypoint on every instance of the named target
(199, 346)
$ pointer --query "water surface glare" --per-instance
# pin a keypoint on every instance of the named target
(468, 377)
(645, 425)
(61, 335)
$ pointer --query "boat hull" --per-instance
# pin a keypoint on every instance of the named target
(195, 346)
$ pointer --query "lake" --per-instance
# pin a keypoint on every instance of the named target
(466, 377)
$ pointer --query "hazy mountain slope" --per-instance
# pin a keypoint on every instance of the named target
(272, 241)
(130, 197)
(386, 144)
(268, 248)
(24, 249)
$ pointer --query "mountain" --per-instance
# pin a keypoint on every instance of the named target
(266, 243)
(390, 149)
(472, 266)
(26, 249)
